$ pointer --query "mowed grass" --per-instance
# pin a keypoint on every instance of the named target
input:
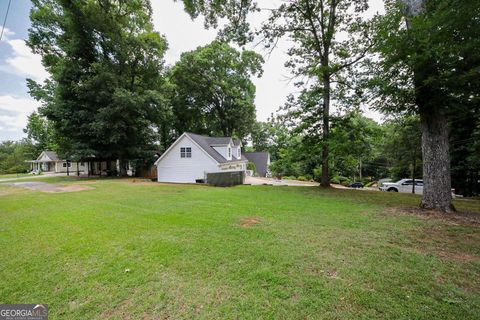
(125, 250)
(14, 175)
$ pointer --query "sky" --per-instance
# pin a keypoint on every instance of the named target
(17, 62)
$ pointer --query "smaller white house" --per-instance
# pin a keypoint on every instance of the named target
(49, 162)
(192, 156)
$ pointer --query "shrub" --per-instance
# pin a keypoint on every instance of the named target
(345, 181)
(340, 180)
(301, 178)
(371, 183)
(251, 166)
(335, 180)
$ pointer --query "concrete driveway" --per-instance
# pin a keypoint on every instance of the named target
(274, 182)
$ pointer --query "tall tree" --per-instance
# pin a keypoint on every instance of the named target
(105, 62)
(403, 147)
(41, 133)
(212, 90)
(13, 155)
(464, 130)
(272, 136)
(430, 51)
(354, 142)
(319, 52)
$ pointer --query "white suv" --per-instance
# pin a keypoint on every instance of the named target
(404, 185)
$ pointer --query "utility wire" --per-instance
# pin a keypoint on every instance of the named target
(5, 20)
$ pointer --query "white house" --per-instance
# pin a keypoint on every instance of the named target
(49, 162)
(192, 156)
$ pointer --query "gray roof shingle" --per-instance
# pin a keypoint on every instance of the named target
(206, 144)
(217, 141)
(52, 155)
(260, 159)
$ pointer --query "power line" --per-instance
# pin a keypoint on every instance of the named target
(5, 20)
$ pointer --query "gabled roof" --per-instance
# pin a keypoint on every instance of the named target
(215, 141)
(207, 143)
(260, 159)
(52, 155)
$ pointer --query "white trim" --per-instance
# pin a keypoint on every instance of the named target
(43, 153)
(175, 143)
(169, 148)
(233, 161)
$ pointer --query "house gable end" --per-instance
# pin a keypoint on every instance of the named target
(172, 148)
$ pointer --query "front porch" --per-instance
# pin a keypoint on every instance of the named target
(48, 162)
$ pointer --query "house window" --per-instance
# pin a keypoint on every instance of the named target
(65, 164)
(185, 152)
(229, 152)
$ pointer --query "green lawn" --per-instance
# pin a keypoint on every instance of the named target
(14, 175)
(126, 250)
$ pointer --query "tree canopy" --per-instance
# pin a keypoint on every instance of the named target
(105, 60)
(428, 65)
(319, 55)
(212, 90)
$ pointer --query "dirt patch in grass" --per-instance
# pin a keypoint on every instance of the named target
(448, 245)
(450, 237)
(249, 222)
(120, 311)
(457, 256)
(73, 188)
(141, 180)
(457, 218)
(51, 188)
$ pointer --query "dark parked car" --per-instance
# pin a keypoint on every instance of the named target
(356, 185)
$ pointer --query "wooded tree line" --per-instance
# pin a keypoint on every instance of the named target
(364, 150)
(421, 57)
(111, 96)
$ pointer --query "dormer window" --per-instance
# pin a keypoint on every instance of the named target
(229, 152)
(185, 152)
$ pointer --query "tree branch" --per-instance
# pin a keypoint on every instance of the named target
(358, 58)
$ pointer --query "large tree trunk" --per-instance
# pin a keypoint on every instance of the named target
(325, 180)
(436, 162)
(122, 168)
(414, 165)
(437, 192)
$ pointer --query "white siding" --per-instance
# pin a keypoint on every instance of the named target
(173, 168)
(44, 158)
(72, 168)
(224, 151)
(233, 166)
(237, 153)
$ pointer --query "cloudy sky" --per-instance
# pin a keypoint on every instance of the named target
(18, 63)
